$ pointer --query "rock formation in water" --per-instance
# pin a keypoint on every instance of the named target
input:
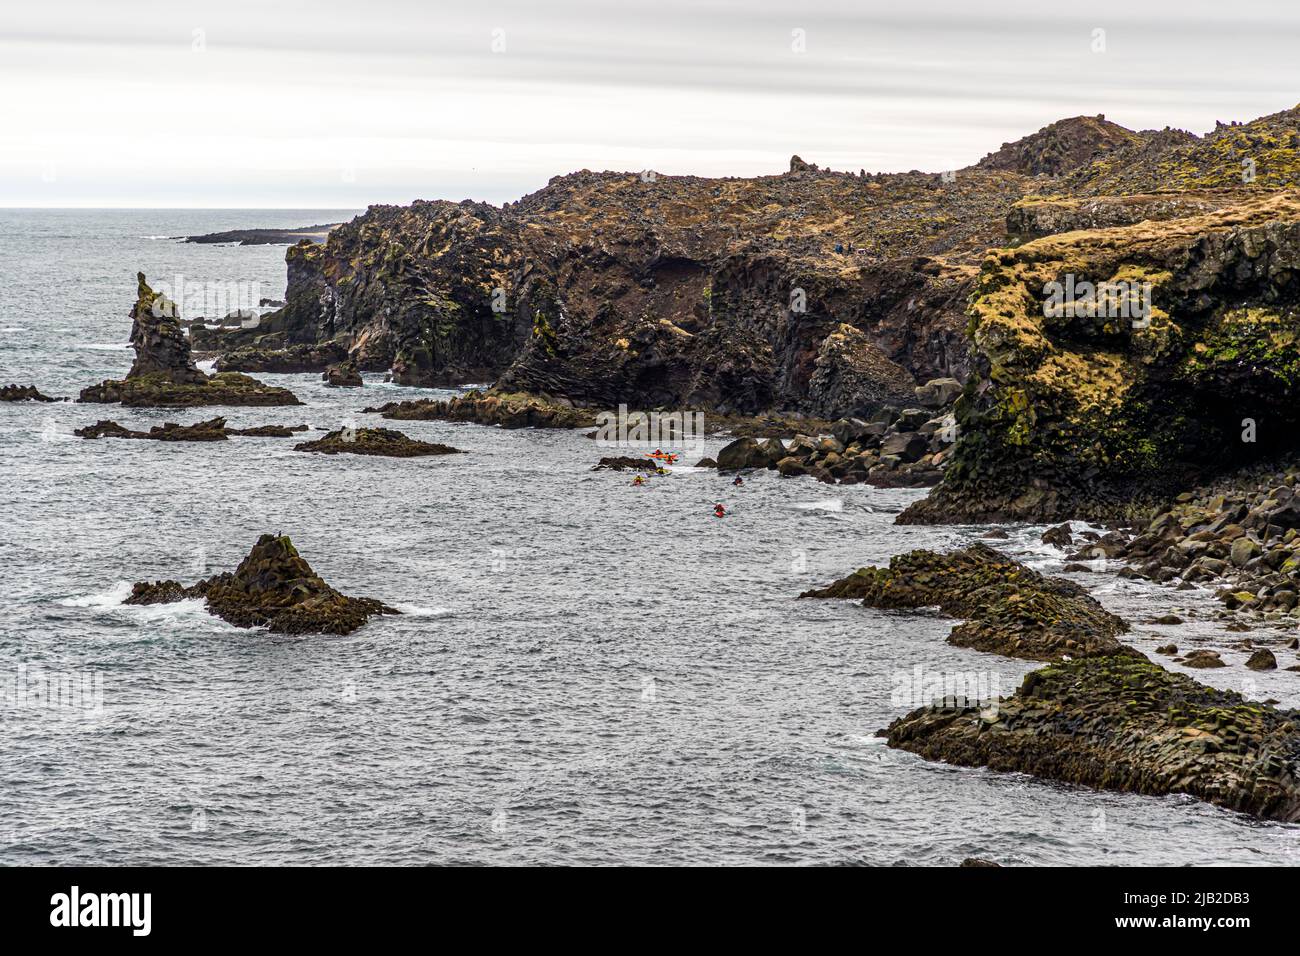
(508, 411)
(1120, 722)
(23, 393)
(1006, 607)
(214, 429)
(374, 441)
(273, 587)
(343, 375)
(164, 374)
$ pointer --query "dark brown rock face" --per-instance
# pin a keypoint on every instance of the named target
(161, 348)
(273, 587)
(1118, 722)
(1008, 608)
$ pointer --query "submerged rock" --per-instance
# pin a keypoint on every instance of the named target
(374, 441)
(23, 393)
(164, 374)
(1008, 608)
(1120, 722)
(273, 587)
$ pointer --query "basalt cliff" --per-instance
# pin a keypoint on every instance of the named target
(833, 294)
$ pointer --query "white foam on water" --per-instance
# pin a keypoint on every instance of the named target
(416, 610)
(106, 347)
(113, 597)
(827, 504)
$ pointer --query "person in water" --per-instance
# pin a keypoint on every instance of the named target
(719, 511)
(738, 481)
(639, 480)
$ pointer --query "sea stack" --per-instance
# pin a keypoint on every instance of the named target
(164, 374)
(273, 587)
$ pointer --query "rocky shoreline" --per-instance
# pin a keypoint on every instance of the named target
(1120, 722)
(1101, 715)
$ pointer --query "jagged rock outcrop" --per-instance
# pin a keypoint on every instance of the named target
(1007, 608)
(1118, 722)
(214, 429)
(23, 393)
(1061, 147)
(273, 587)
(811, 291)
(374, 441)
(164, 374)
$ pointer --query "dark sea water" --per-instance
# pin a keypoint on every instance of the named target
(585, 672)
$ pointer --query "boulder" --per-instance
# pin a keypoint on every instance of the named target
(1262, 660)
(908, 446)
(1059, 537)
(911, 419)
(744, 453)
(343, 375)
(938, 392)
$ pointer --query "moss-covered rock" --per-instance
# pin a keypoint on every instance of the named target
(1119, 722)
(1105, 409)
(504, 409)
(1008, 608)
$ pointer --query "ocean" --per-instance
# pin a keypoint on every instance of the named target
(584, 672)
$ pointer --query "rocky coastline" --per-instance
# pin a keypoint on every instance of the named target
(900, 331)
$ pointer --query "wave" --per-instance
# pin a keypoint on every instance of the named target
(106, 346)
(415, 610)
(826, 504)
(113, 597)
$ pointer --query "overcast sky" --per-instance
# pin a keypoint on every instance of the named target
(340, 103)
